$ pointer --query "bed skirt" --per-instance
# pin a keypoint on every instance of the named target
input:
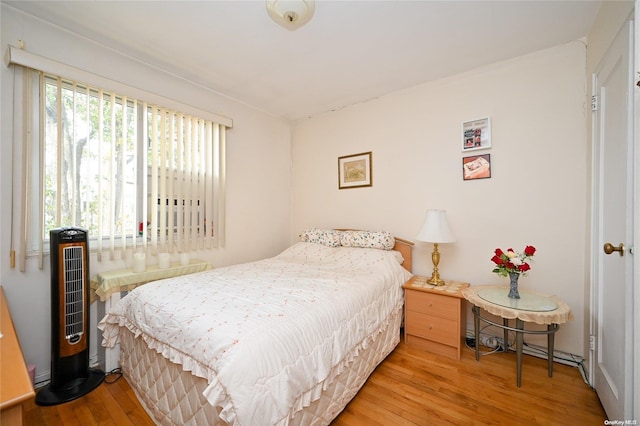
(172, 396)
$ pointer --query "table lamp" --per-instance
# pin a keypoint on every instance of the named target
(436, 230)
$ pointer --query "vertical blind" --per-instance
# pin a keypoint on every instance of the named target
(185, 158)
(137, 175)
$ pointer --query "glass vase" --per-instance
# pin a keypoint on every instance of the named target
(513, 285)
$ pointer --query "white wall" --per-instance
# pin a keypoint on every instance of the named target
(258, 172)
(536, 195)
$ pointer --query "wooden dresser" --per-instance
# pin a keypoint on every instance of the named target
(435, 316)
(15, 384)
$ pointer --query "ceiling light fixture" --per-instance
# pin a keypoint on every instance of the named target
(291, 14)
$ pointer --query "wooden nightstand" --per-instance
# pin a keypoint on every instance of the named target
(435, 316)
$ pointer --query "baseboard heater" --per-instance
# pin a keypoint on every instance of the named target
(71, 376)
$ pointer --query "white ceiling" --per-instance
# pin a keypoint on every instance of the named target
(350, 52)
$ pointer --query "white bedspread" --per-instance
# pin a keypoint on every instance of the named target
(267, 335)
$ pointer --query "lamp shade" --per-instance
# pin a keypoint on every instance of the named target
(436, 228)
(291, 14)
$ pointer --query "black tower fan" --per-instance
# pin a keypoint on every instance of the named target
(71, 376)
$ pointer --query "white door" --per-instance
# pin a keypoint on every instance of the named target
(612, 299)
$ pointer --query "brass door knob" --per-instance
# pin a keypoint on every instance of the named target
(610, 248)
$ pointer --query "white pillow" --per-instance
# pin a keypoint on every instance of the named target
(327, 237)
(368, 239)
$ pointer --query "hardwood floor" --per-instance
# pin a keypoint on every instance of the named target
(108, 404)
(411, 387)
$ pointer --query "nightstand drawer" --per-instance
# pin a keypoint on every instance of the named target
(433, 328)
(432, 304)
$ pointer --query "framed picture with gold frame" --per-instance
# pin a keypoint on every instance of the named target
(354, 171)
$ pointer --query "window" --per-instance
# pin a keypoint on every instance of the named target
(135, 175)
(90, 160)
(120, 168)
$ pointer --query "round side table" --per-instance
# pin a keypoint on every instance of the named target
(531, 307)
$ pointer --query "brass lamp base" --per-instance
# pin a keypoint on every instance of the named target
(435, 258)
(435, 281)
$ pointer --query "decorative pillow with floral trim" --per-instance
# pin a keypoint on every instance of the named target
(326, 237)
(368, 239)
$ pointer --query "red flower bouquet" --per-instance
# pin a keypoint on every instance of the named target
(512, 261)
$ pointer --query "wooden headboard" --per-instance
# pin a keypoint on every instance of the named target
(405, 248)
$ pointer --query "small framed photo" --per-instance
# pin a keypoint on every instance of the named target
(476, 167)
(476, 134)
(354, 171)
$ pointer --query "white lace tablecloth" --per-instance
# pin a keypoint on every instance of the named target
(541, 312)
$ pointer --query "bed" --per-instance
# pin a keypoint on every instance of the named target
(282, 341)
